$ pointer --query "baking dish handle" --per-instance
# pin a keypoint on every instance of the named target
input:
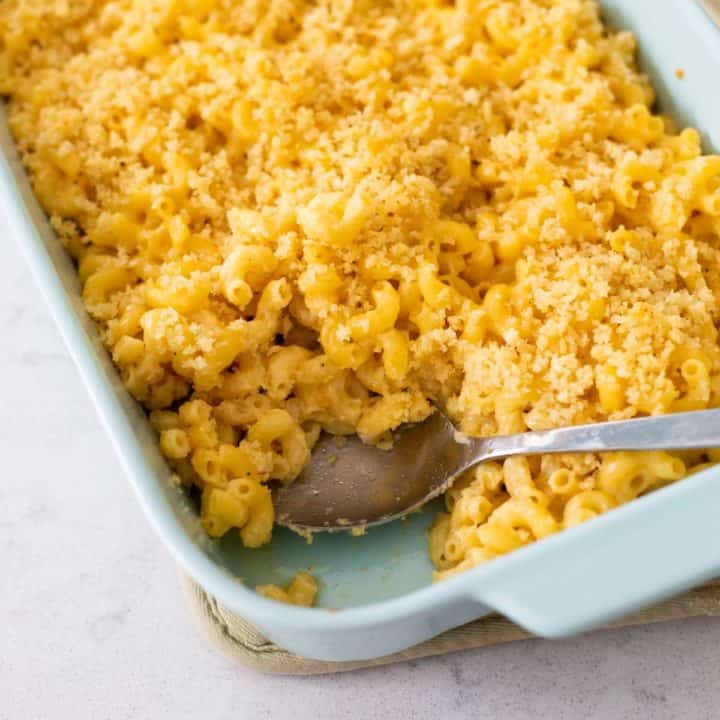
(641, 553)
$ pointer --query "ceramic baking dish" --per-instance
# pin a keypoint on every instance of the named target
(652, 548)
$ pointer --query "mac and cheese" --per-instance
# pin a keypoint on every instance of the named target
(301, 590)
(292, 217)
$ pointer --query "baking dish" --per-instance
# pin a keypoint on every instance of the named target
(654, 547)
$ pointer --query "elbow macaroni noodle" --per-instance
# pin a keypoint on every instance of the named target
(301, 590)
(293, 217)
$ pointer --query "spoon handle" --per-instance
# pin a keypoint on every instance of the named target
(678, 431)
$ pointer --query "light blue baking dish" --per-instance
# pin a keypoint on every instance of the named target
(655, 547)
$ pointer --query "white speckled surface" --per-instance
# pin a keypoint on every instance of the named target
(93, 624)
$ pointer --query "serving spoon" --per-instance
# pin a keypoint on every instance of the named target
(348, 484)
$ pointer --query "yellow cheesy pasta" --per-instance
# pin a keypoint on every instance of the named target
(291, 217)
(301, 590)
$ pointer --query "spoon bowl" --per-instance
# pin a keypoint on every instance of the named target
(350, 484)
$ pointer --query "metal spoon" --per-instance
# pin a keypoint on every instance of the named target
(352, 485)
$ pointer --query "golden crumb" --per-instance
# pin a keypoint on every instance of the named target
(679, 73)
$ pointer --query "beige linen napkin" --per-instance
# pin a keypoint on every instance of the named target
(239, 640)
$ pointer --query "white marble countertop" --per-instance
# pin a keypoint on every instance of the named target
(93, 624)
